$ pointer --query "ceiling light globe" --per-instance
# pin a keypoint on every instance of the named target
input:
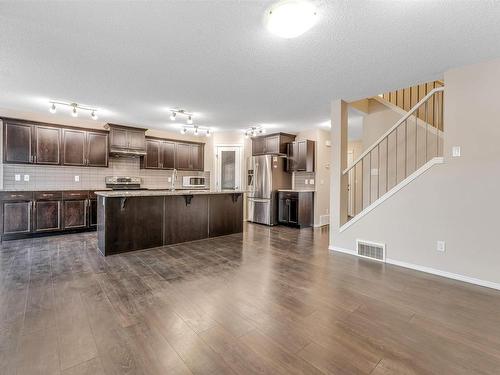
(208, 133)
(172, 116)
(290, 18)
(94, 115)
(190, 120)
(52, 108)
(74, 112)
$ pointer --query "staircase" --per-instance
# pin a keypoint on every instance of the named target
(411, 146)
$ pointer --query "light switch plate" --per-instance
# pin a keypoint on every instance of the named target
(26, 177)
(17, 177)
(441, 246)
(169, 179)
(455, 151)
(77, 178)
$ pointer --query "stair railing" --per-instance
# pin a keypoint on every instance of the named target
(398, 153)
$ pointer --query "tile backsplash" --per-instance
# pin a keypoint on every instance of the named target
(43, 177)
(300, 178)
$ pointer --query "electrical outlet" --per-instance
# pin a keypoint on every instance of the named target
(441, 246)
(26, 177)
(169, 179)
(306, 181)
(77, 178)
(311, 181)
(17, 177)
(455, 151)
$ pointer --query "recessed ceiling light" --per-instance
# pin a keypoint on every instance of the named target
(290, 18)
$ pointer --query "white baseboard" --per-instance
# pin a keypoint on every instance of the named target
(342, 250)
(433, 271)
(394, 190)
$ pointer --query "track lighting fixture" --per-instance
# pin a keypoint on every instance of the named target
(254, 131)
(75, 107)
(175, 112)
(197, 130)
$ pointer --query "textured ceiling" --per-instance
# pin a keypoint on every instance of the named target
(215, 58)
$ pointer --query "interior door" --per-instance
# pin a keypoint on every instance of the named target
(228, 171)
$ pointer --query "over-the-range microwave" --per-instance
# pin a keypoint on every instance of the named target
(193, 182)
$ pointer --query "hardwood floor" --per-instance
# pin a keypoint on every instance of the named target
(270, 301)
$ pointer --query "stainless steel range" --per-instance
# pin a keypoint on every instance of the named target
(124, 183)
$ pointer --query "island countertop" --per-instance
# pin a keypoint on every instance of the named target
(159, 193)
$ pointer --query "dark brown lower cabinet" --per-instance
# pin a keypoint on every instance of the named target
(16, 217)
(224, 208)
(75, 213)
(27, 214)
(47, 216)
(296, 209)
(186, 218)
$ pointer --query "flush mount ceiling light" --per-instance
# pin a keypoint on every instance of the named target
(290, 18)
(74, 108)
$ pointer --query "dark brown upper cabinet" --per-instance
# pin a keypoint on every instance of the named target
(97, 149)
(47, 145)
(125, 140)
(300, 156)
(189, 156)
(272, 144)
(85, 148)
(17, 142)
(160, 154)
(31, 143)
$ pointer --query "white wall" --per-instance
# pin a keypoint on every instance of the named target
(457, 201)
(322, 171)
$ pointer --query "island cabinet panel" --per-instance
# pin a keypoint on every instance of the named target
(186, 218)
(17, 143)
(126, 224)
(225, 214)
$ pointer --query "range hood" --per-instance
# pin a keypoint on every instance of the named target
(126, 141)
(122, 153)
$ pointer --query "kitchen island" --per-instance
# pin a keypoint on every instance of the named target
(135, 220)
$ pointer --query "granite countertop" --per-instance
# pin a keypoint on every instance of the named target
(152, 193)
(297, 190)
(38, 190)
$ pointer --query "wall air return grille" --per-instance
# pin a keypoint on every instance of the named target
(371, 250)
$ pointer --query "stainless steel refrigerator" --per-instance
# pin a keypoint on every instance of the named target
(265, 175)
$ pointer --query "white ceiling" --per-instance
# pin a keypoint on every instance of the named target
(215, 58)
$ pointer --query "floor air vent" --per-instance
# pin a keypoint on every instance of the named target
(371, 250)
